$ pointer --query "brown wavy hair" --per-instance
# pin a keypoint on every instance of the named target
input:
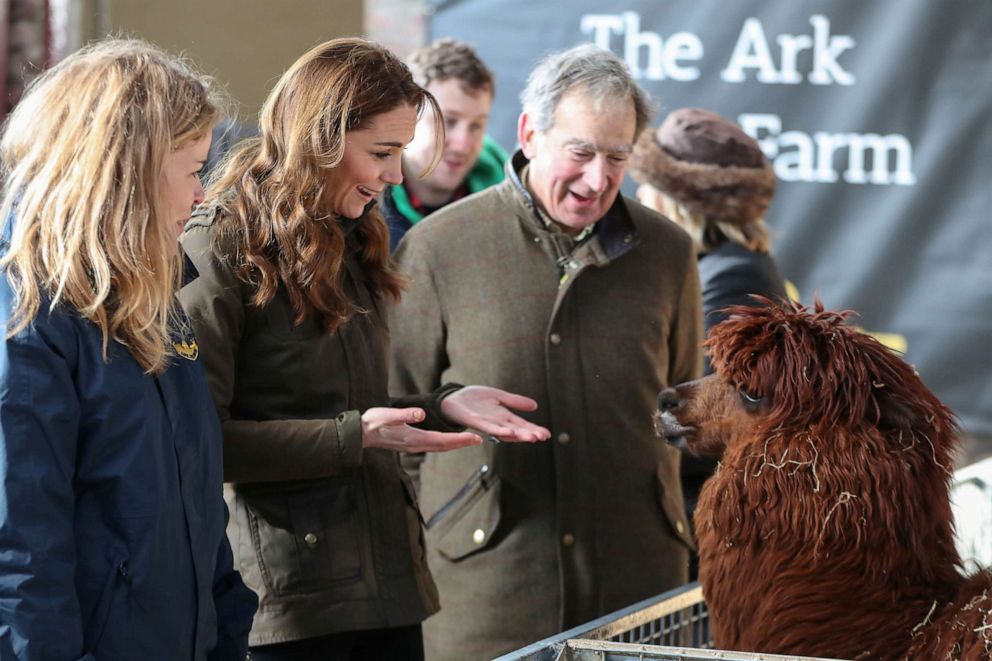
(82, 157)
(271, 190)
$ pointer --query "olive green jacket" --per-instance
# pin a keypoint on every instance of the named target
(527, 540)
(326, 532)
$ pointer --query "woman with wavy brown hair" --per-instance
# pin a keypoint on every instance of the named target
(290, 311)
(112, 522)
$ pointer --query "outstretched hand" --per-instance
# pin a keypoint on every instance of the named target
(390, 429)
(490, 411)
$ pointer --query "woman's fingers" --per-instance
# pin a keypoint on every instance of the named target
(514, 428)
(490, 410)
(514, 401)
(487, 410)
(390, 429)
(419, 440)
(382, 416)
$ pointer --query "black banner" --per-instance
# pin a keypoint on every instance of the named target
(877, 116)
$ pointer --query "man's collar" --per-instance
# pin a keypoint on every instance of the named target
(546, 220)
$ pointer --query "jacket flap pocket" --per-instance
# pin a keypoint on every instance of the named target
(672, 503)
(470, 528)
(411, 495)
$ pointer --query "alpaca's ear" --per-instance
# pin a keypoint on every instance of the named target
(895, 413)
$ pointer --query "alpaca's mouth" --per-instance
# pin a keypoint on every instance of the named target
(674, 432)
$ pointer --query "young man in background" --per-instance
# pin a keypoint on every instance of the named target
(471, 161)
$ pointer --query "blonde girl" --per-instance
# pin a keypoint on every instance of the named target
(112, 520)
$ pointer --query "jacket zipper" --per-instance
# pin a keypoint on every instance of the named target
(476, 478)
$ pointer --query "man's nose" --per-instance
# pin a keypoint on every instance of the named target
(458, 138)
(595, 174)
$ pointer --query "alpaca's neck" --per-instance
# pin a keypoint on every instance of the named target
(761, 602)
(793, 563)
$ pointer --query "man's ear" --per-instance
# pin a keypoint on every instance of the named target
(526, 134)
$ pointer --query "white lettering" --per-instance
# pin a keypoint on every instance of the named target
(791, 45)
(795, 160)
(826, 49)
(633, 40)
(826, 145)
(796, 156)
(601, 25)
(881, 173)
(682, 46)
(751, 52)
(754, 124)
(664, 58)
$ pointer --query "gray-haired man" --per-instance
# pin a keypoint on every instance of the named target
(565, 291)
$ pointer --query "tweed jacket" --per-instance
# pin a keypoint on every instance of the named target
(325, 531)
(526, 540)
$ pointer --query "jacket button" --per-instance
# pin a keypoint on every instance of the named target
(567, 539)
(563, 438)
(310, 539)
(479, 536)
(680, 527)
(555, 338)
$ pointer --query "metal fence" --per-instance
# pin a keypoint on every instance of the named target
(971, 500)
(673, 625)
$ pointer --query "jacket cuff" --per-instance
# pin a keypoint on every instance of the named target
(433, 418)
(349, 428)
(434, 415)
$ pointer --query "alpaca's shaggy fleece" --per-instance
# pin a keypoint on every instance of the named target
(827, 528)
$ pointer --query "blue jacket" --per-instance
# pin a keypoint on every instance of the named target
(112, 542)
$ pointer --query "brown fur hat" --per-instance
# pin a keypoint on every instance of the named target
(708, 164)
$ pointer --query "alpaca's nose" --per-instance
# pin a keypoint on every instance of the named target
(668, 400)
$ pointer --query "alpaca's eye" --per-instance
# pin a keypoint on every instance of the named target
(751, 401)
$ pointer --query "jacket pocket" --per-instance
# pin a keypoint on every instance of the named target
(414, 520)
(306, 539)
(670, 497)
(467, 522)
(96, 626)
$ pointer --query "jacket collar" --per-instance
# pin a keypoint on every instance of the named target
(615, 231)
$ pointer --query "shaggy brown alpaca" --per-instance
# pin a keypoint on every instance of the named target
(826, 530)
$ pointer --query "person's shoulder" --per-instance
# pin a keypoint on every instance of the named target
(754, 269)
(212, 254)
(203, 232)
(59, 320)
(493, 150)
(60, 328)
(198, 233)
(203, 220)
(474, 214)
(489, 169)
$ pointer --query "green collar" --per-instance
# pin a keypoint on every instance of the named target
(487, 171)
